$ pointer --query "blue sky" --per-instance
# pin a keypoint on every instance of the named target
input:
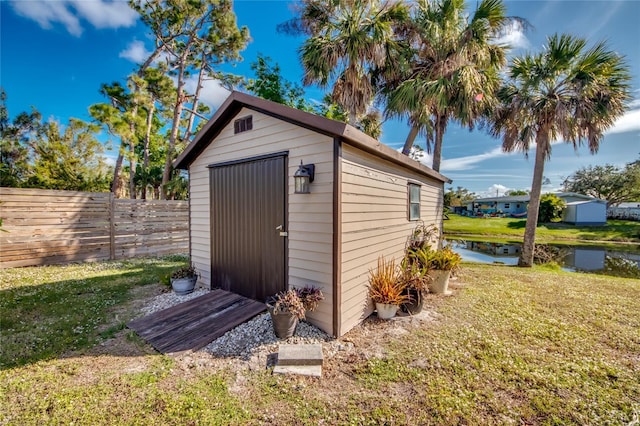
(55, 54)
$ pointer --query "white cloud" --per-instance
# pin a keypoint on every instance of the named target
(513, 36)
(45, 13)
(212, 93)
(495, 190)
(135, 52)
(106, 14)
(69, 13)
(630, 122)
(468, 162)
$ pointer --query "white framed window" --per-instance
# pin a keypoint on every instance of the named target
(507, 205)
(414, 201)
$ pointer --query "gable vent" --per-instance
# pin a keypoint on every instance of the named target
(243, 124)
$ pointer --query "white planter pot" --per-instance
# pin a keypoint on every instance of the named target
(439, 281)
(386, 311)
(183, 285)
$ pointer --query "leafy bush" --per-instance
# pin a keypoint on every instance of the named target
(551, 208)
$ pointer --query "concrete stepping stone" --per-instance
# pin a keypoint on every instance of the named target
(300, 359)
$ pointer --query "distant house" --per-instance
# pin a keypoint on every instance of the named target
(581, 209)
(515, 205)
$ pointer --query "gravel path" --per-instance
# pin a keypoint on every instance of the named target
(251, 339)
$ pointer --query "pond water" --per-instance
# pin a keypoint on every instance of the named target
(583, 258)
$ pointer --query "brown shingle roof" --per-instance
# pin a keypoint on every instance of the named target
(348, 134)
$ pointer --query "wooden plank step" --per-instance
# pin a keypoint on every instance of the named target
(195, 323)
(182, 315)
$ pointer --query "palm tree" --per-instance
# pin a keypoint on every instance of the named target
(348, 39)
(566, 92)
(451, 68)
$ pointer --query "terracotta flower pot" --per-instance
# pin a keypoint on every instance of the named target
(386, 311)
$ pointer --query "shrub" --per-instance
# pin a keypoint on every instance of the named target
(551, 208)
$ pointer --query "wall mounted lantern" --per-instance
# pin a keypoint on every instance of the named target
(303, 177)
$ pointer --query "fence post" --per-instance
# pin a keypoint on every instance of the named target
(112, 226)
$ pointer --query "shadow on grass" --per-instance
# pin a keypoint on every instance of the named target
(49, 319)
(517, 224)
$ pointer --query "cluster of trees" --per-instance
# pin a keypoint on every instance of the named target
(37, 154)
(608, 182)
(151, 117)
(431, 62)
(428, 62)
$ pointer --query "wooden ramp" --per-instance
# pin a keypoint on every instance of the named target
(197, 322)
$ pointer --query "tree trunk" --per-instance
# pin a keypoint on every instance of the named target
(132, 156)
(196, 98)
(528, 245)
(411, 137)
(115, 185)
(147, 136)
(175, 127)
(145, 150)
(441, 125)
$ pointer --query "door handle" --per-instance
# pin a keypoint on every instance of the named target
(282, 233)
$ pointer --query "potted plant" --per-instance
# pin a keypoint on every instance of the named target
(421, 236)
(416, 278)
(288, 307)
(386, 288)
(440, 263)
(310, 297)
(183, 280)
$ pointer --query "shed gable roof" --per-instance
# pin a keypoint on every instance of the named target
(349, 134)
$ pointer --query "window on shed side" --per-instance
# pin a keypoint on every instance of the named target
(414, 201)
(243, 124)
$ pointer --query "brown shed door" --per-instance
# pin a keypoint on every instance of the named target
(248, 212)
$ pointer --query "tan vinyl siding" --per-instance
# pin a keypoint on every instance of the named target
(310, 217)
(375, 222)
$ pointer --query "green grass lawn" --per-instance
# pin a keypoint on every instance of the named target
(511, 346)
(47, 311)
(615, 231)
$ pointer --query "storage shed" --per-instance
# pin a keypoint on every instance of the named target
(591, 212)
(252, 233)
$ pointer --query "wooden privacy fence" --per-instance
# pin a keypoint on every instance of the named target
(43, 227)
